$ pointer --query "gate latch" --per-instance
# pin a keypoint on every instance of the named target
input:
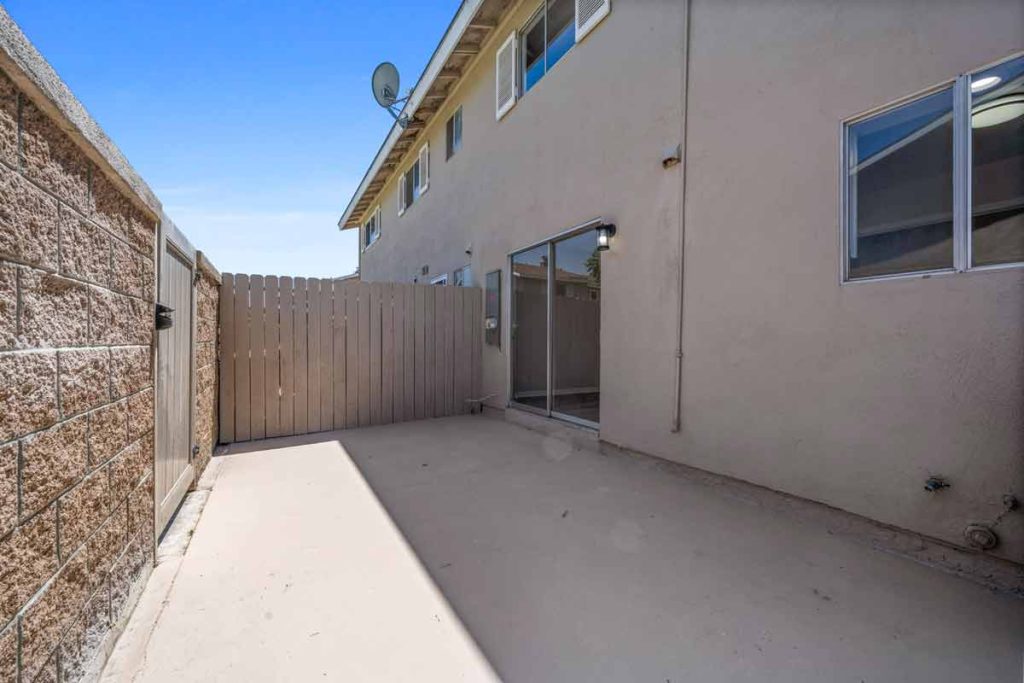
(164, 320)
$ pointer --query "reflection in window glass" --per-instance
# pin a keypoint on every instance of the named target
(546, 39)
(900, 189)
(530, 327)
(997, 164)
(576, 328)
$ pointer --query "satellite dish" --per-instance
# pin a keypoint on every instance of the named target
(385, 84)
(385, 91)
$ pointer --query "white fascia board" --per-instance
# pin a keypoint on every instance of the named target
(456, 30)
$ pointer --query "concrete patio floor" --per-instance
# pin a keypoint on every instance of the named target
(471, 549)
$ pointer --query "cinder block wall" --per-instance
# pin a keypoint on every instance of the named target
(77, 273)
(207, 326)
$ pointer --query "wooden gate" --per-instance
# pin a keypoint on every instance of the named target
(305, 355)
(174, 382)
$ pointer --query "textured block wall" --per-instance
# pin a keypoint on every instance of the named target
(76, 397)
(207, 311)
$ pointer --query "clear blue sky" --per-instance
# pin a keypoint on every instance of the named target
(252, 121)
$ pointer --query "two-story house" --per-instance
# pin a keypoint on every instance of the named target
(814, 282)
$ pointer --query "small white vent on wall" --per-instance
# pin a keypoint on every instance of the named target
(589, 14)
(505, 76)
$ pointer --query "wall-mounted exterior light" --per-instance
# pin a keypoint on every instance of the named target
(604, 236)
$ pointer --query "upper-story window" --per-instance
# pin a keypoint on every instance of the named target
(371, 228)
(453, 134)
(463, 277)
(545, 39)
(414, 182)
(937, 183)
(529, 53)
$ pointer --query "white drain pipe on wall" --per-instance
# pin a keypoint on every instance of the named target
(684, 92)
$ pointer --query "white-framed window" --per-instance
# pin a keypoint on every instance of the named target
(545, 39)
(441, 279)
(371, 228)
(527, 55)
(935, 183)
(453, 134)
(414, 182)
(463, 277)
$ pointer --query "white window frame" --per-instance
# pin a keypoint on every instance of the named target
(962, 177)
(512, 42)
(420, 170)
(467, 277)
(401, 194)
(441, 279)
(374, 217)
(423, 166)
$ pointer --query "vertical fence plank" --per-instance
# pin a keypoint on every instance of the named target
(257, 360)
(257, 369)
(438, 360)
(467, 346)
(364, 355)
(326, 314)
(242, 432)
(458, 350)
(398, 366)
(300, 335)
(387, 354)
(352, 355)
(429, 331)
(420, 346)
(338, 381)
(313, 346)
(376, 293)
(226, 354)
(449, 342)
(409, 294)
(272, 358)
(476, 319)
(287, 319)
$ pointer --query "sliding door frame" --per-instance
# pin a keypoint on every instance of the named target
(549, 242)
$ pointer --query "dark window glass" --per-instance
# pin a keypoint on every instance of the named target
(546, 39)
(997, 164)
(453, 134)
(561, 30)
(533, 52)
(900, 189)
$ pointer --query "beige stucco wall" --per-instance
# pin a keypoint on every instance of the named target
(851, 395)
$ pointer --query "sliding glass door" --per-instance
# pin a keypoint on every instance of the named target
(556, 328)
(530, 328)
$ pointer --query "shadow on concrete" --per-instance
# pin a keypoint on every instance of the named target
(569, 565)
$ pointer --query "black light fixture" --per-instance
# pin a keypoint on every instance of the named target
(604, 236)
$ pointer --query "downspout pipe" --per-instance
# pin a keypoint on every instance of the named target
(684, 115)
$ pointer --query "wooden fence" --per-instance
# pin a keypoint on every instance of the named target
(305, 355)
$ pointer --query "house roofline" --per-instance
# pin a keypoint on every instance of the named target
(457, 29)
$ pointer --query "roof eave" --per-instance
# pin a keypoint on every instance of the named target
(456, 31)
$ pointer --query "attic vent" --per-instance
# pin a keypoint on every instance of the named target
(505, 76)
(589, 14)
